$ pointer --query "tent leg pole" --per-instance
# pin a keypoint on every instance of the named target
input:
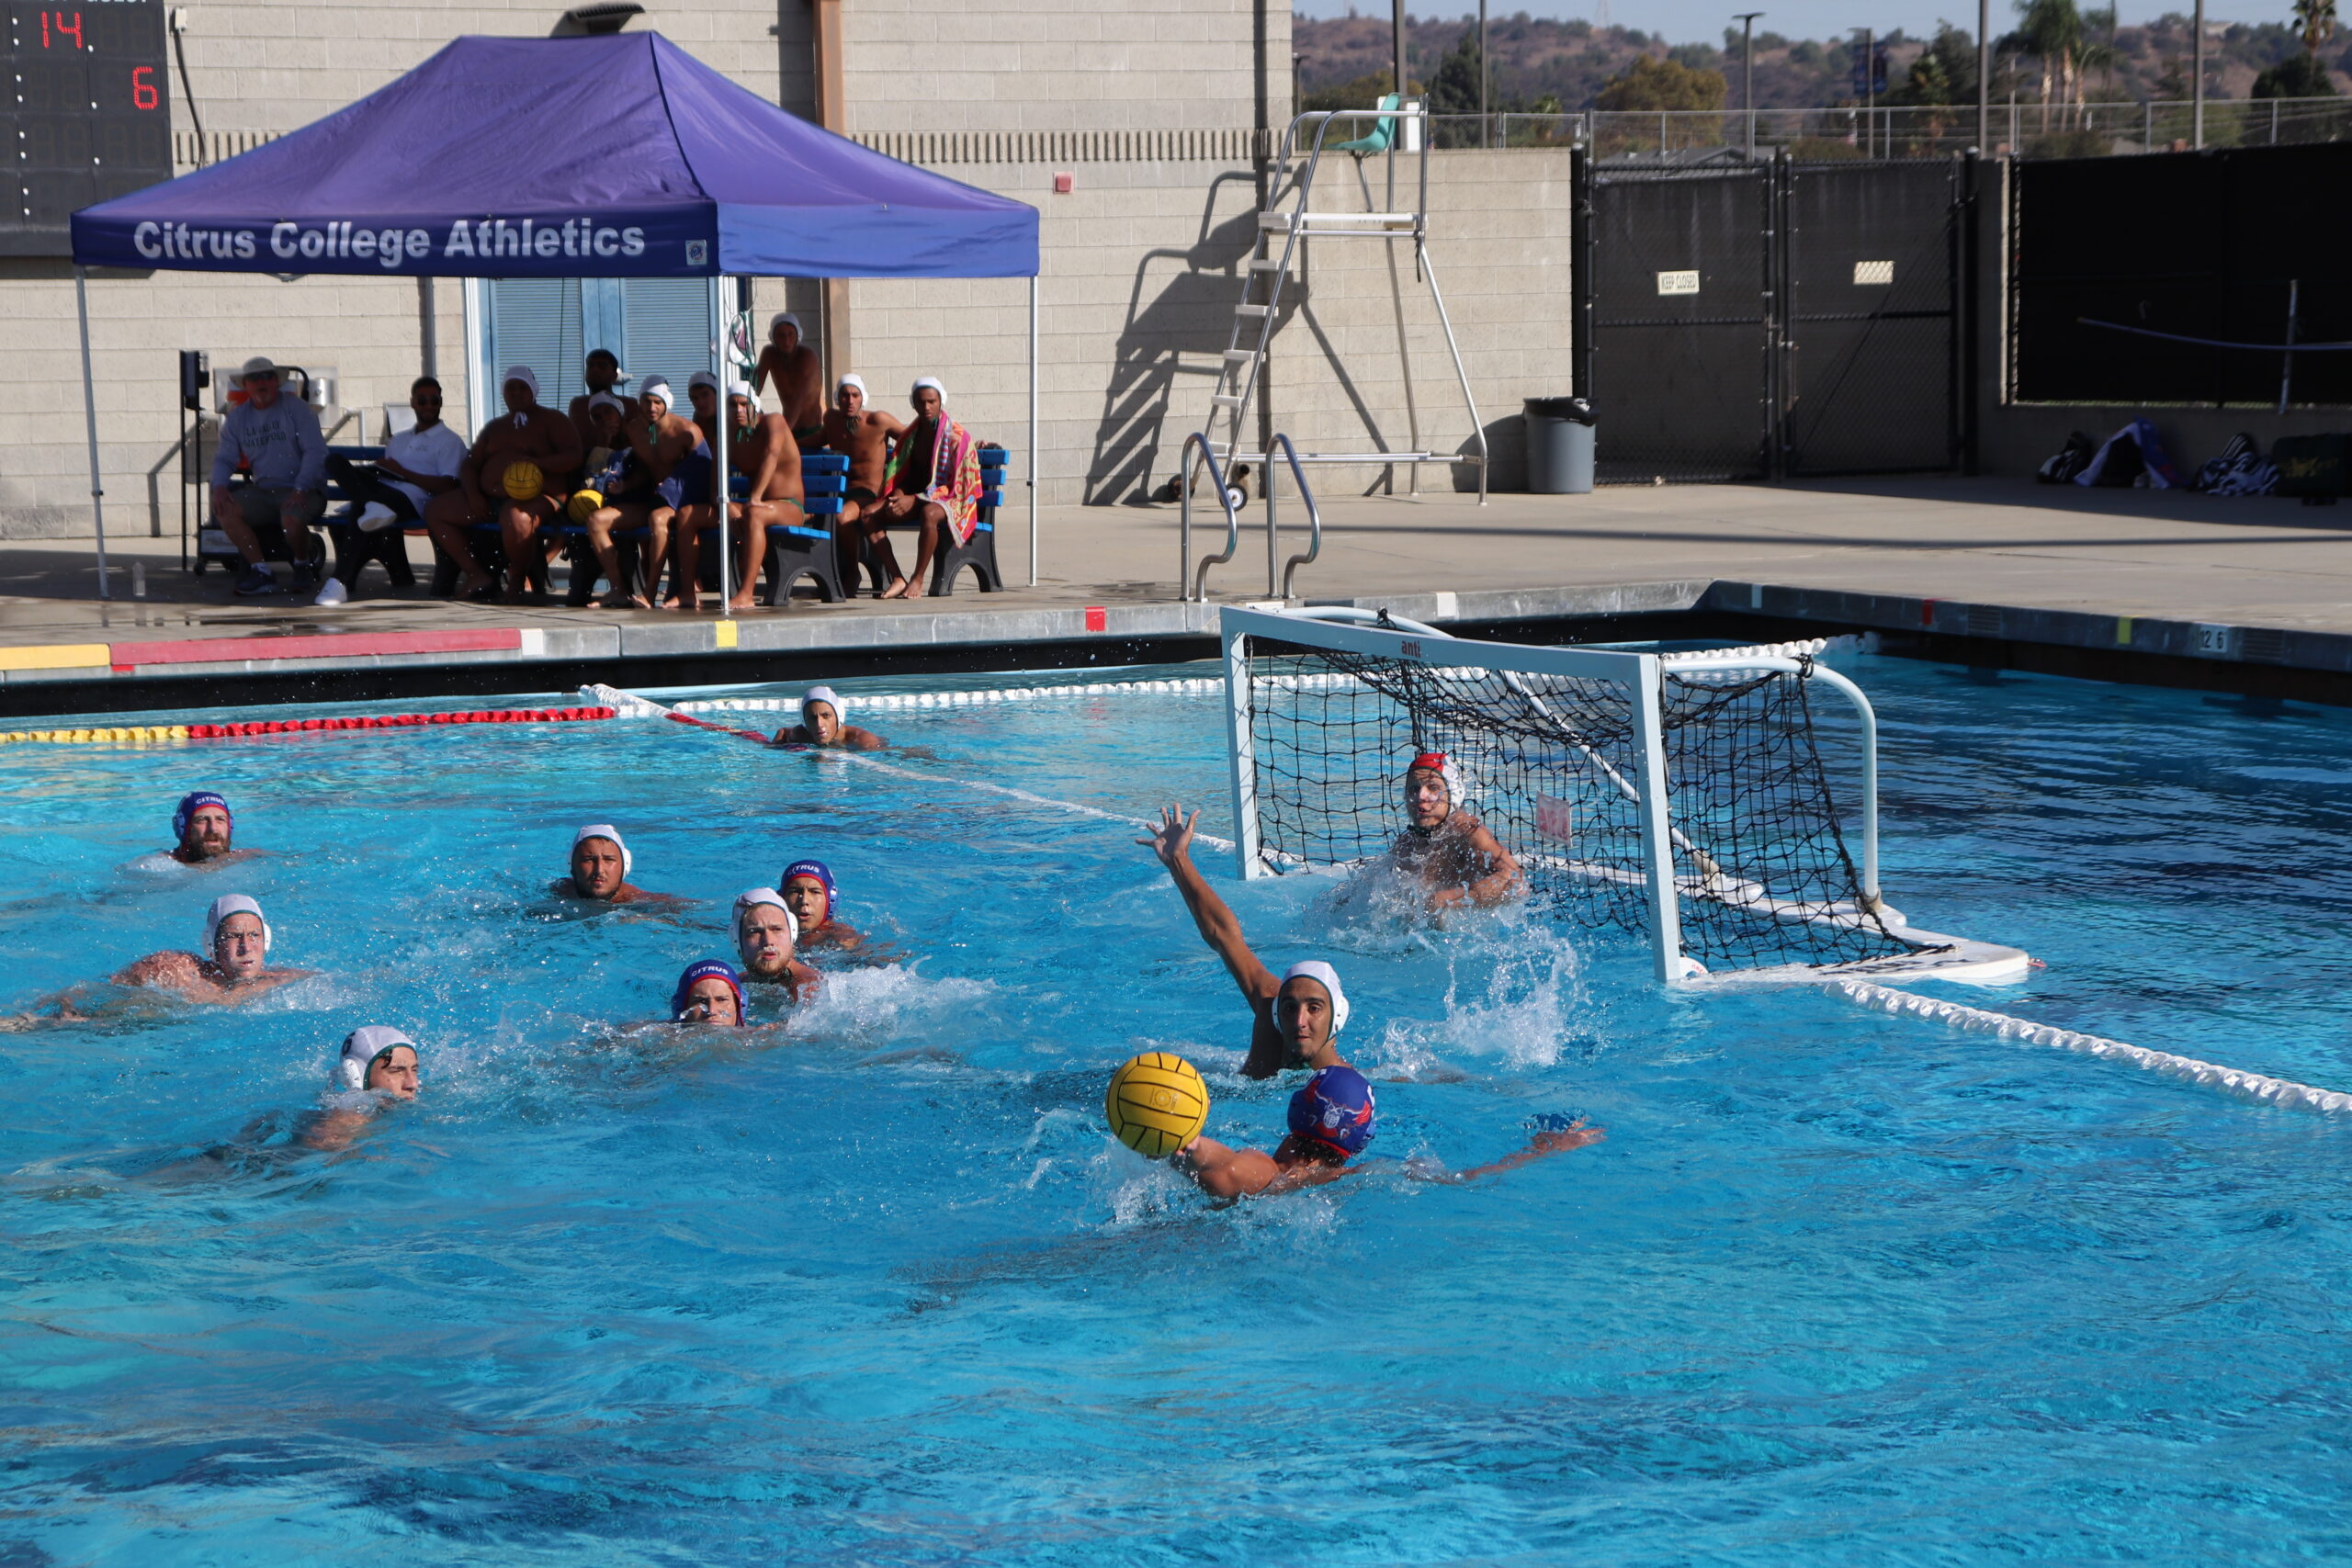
(723, 481)
(90, 415)
(1032, 430)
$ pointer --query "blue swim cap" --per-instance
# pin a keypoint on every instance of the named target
(817, 869)
(194, 803)
(706, 969)
(1335, 1110)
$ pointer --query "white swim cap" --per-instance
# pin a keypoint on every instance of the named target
(229, 903)
(934, 383)
(702, 379)
(1323, 974)
(605, 401)
(824, 694)
(361, 1047)
(851, 378)
(741, 388)
(606, 830)
(751, 898)
(524, 374)
(784, 318)
(657, 386)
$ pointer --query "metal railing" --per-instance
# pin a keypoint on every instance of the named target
(1190, 584)
(2029, 130)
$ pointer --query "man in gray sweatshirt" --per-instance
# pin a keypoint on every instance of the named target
(277, 439)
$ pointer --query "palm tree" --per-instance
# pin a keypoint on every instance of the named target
(2315, 19)
(2051, 32)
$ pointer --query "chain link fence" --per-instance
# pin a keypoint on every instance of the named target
(1688, 137)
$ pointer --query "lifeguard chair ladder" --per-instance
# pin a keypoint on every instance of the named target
(1282, 225)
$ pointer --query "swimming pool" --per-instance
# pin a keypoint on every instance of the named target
(1840, 1288)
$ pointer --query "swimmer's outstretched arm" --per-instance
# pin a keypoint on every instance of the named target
(1576, 1136)
(1227, 1173)
(1221, 928)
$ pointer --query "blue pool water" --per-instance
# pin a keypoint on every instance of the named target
(1838, 1287)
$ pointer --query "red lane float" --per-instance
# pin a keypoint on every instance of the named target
(397, 721)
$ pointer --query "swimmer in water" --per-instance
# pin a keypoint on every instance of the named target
(812, 896)
(378, 1067)
(1445, 846)
(708, 992)
(822, 716)
(600, 868)
(238, 938)
(1331, 1120)
(204, 828)
(1295, 1020)
(765, 934)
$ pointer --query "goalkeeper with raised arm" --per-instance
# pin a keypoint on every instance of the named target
(1295, 1020)
(1445, 846)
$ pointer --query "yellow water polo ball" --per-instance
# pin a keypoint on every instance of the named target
(1157, 1103)
(586, 503)
(524, 481)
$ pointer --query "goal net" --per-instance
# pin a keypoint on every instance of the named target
(1605, 774)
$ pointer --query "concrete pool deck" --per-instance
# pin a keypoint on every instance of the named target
(2165, 575)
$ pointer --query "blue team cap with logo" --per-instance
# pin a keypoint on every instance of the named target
(193, 802)
(1335, 1110)
(708, 968)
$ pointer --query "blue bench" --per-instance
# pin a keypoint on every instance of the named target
(827, 488)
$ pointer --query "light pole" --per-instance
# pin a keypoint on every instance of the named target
(1746, 21)
(1870, 86)
(2197, 88)
(1483, 121)
(1984, 76)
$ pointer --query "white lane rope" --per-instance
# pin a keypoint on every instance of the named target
(630, 706)
(1195, 686)
(2230, 1080)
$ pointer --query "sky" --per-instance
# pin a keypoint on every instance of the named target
(1692, 21)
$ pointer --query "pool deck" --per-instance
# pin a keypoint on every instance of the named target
(2043, 576)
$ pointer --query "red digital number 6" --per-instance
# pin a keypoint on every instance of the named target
(142, 91)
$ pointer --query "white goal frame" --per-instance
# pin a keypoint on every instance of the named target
(1345, 629)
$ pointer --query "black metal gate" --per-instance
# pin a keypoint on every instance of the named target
(1774, 319)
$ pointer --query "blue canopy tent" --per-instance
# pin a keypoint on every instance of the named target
(615, 156)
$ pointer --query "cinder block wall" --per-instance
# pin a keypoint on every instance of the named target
(1141, 258)
(1143, 265)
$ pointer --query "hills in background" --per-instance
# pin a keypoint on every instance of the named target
(1542, 63)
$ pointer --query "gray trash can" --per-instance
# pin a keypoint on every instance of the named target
(1559, 445)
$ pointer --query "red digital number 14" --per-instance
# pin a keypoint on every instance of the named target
(64, 28)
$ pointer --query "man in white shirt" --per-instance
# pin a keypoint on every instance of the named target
(418, 464)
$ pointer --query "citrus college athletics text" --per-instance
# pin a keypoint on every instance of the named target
(387, 248)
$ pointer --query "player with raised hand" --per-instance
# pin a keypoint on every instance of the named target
(1295, 1020)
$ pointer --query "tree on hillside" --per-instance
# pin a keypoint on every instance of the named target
(2301, 76)
(1454, 86)
(2052, 32)
(1363, 93)
(1654, 83)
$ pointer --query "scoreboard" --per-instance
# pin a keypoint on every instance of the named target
(86, 114)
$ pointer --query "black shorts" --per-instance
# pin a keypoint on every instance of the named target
(860, 494)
